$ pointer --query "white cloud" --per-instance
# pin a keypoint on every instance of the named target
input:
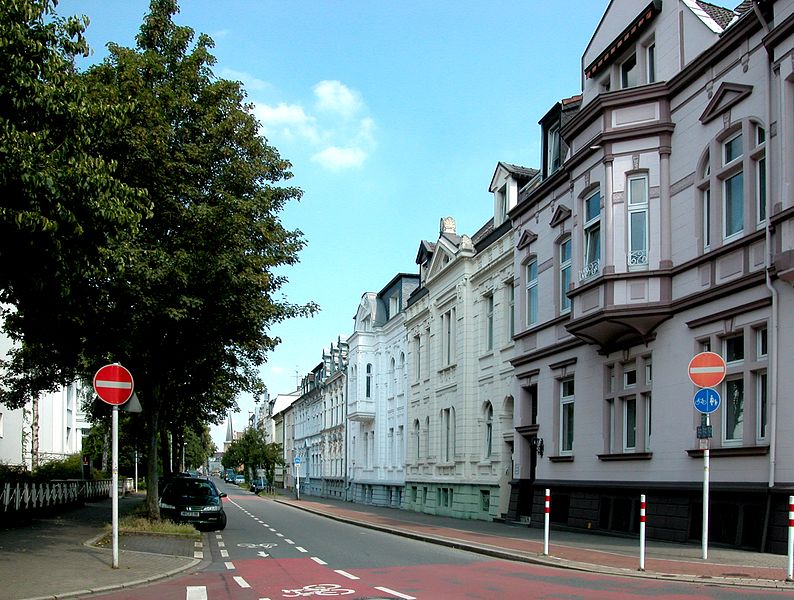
(249, 81)
(335, 158)
(336, 97)
(289, 120)
(276, 370)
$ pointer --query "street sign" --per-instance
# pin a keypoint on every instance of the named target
(113, 384)
(704, 432)
(706, 401)
(707, 369)
(297, 460)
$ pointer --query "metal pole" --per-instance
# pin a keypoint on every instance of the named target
(115, 486)
(642, 532)
(706, 497)
(136, 469)
(790, 571)
(298, 480)
(546, 510)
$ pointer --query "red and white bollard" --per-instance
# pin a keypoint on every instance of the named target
(546, 511)
(790, 571)
(642, 532)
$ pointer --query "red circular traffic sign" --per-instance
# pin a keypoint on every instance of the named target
(707, 369)
(113, 384)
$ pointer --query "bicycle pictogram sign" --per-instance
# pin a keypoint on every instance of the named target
(318, 589)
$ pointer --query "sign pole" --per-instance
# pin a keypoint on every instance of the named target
(298, 479)
(706, 496)
(546, 514)
(115, 486)
(642, 532)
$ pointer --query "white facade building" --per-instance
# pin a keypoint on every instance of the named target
(376, 402)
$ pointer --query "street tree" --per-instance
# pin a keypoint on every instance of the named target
(253, 452)
(63, 211)
(190, 311)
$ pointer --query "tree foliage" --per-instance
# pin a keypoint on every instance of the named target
(254, 452)
(62, 208)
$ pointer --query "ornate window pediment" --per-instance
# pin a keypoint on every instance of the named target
(727, 95)
(527, 237)
(560, 215)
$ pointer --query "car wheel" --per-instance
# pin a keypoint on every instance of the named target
(222, 524)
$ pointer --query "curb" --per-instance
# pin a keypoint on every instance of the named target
(551, 561)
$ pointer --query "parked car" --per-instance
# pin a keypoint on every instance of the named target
(239, 479)
(258, 485)
(196, 501)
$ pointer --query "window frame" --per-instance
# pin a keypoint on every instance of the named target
(626, 81)
(531, 288)
(489, 321)
(635, 208)
(565, 266)
(591, 231)
(566, 442)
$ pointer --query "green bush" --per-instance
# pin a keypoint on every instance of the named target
(70, 467)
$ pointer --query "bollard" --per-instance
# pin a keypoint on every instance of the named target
(546, 511)
(642, 532)
(790, 571)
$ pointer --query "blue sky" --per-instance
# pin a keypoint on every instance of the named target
(393, 114)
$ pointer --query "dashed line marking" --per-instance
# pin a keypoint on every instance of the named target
(198, 554)
(230, 566)
(198, 545)
(221, 544)
(319, 561)
(241, 582)
(271, 529)
(288, 541)
(346, 574)
(280, 534)
(224, 554)
(218, 536)
(301, 549)
(393, 593)
(196, 592)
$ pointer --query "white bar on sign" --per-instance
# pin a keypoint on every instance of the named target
(120, 385)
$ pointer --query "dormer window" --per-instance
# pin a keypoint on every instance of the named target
(501, 205)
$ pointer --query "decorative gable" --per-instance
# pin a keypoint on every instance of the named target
(560, 215)
(441, 258)
(527, 237)
(727, 95)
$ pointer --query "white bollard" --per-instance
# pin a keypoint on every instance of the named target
(642, 532)
(546, 511)
(790, 571)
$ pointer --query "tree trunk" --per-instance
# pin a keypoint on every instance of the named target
(152, 491)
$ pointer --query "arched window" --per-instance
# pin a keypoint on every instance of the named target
(488, 429)
(368, 392)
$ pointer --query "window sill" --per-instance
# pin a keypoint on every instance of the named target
(626, 456)
(737, 451)
(560, 459)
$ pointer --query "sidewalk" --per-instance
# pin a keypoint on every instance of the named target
(568, 549)
(53, 557)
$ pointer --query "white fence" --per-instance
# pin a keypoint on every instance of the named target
(27, 496)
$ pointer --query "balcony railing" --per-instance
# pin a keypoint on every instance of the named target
(638, 258)
(590, 270)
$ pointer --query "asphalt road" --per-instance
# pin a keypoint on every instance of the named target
(269, 551)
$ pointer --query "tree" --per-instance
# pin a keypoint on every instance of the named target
(191, 308)
(198, 447)
(253, 452)
(62, 209)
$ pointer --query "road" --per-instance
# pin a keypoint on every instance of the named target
(272, 551)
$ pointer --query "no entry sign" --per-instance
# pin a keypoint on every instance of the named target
(707, 369)
(113, 384)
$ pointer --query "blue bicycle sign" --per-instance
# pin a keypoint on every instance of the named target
(707, 400)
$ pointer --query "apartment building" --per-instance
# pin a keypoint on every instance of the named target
(662, 226)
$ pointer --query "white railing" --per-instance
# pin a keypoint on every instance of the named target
(590, 270)
(20, 496)
(638, 258)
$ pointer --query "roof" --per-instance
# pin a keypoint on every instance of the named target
(520, 171)
(721, 16)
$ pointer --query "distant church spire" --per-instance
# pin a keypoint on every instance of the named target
(229, 429)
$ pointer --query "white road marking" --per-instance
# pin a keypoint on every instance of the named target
(224, 554)
(346, 574)
(301, 549)
(218, 536)
(229, 566)
(198, 554)
(393, 593)
(262, 554)
(197, 544)
(319, 561)
(196, 592)
(288, 541)
(280, 534)
(241, 582)
(221, 544)
(271, 529)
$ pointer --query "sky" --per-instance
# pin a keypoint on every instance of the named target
(394, 114)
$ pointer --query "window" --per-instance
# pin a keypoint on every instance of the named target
(448, 338)
(760, 336)
(733, 189)
(502, 204)
(566, 415)
(628, 72)
(488, 431)
(650, 62)
(485, 500)
(629, 377)
(448, 434)
(592, 236)
(532, 293)
(417, 358)
(511, 310)
(734, 348)
(394, 305)
(565, 275)
(629, 423)
(760, 174)
(400, 446)
(489, 305)
(553, 150)
(368, 390)
(761, 394)
(733, 413)
(638, 220)
(417, 440)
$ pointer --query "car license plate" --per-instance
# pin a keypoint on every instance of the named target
(189, 513)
